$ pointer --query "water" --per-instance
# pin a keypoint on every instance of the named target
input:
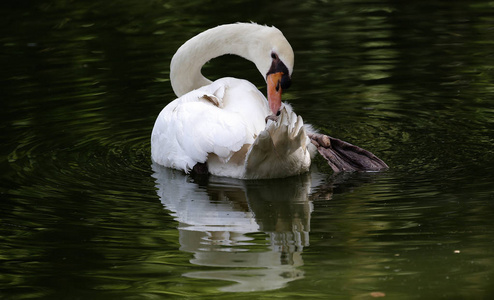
(85, 215)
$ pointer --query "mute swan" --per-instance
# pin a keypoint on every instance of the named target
(226, 127)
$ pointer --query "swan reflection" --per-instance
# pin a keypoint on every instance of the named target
(223, 222)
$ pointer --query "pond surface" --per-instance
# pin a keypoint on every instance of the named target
(84, 214)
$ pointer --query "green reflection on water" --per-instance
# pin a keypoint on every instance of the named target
(81, 84)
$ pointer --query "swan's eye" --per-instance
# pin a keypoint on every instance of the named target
(273, 55)
(286, 81)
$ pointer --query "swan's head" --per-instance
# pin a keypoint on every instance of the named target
(278, 79)
(274, 59)
(265, 46)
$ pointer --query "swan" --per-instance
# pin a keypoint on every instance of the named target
(228, 127)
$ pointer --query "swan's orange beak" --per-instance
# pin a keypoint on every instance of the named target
(274, 91)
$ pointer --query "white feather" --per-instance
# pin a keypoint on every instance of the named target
(191, 127)
(223, 123)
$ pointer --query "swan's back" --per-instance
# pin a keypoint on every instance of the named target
(223, 123)
(215, 122)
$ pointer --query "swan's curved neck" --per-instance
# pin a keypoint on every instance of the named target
(245, 40)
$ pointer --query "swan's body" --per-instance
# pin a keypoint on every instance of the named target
(224, 123)
(228, 128)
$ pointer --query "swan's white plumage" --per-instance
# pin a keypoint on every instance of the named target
(192, 126)
(281, 149)
(248, 40)
(223, 123)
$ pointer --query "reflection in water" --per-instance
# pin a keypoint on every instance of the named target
(217, 223)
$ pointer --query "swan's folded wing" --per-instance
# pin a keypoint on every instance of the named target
(189, 129)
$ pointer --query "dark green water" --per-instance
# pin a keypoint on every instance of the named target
(85, 215)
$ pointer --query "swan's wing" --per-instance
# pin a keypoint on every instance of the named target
(194, 125)
(281, 149)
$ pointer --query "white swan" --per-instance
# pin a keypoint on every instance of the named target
(224, 123)
(228, 128)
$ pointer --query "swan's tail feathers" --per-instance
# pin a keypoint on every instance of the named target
(280, 150)
(345, 157)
